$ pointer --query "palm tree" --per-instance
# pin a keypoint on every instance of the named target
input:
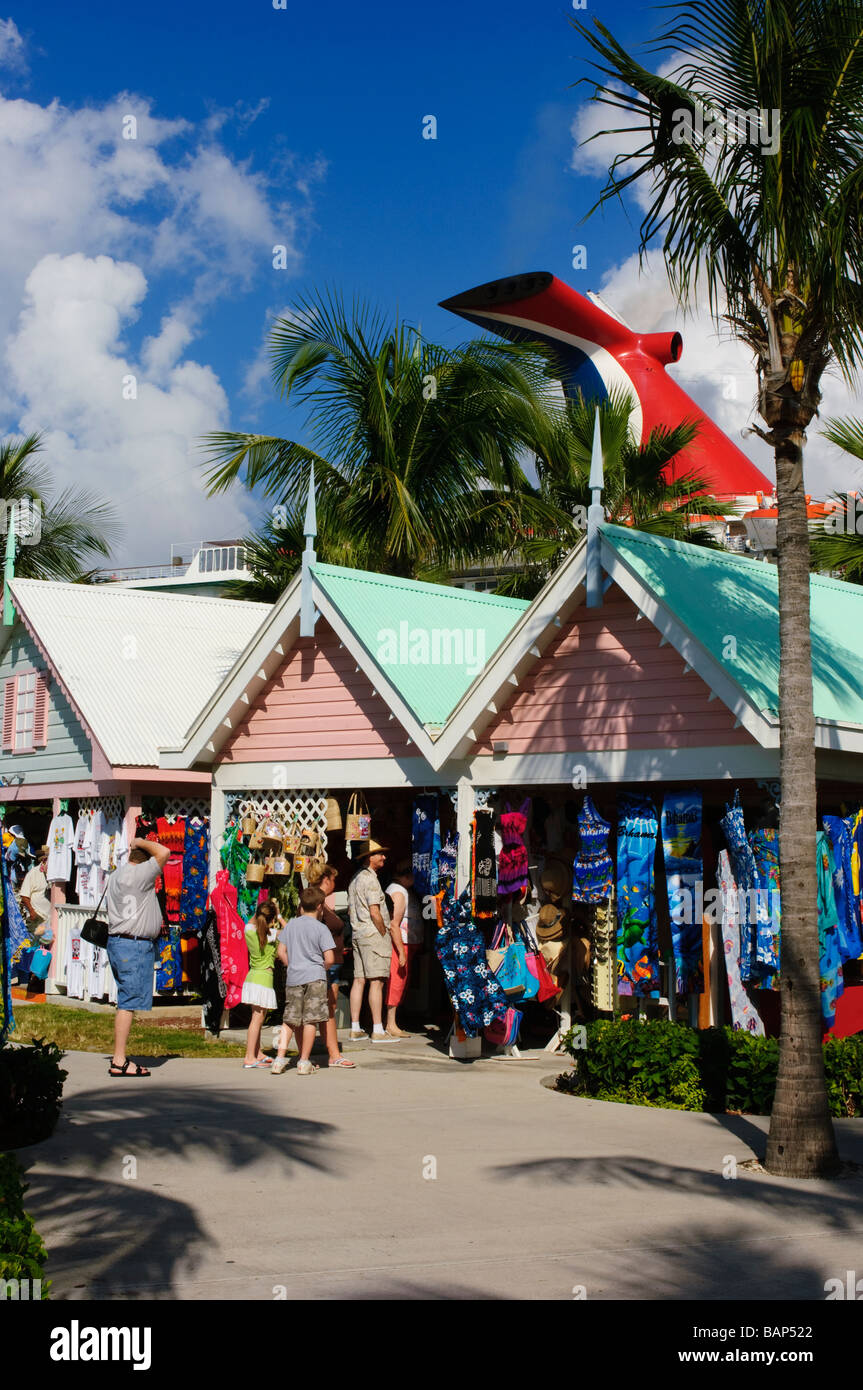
(74, 526)
(837, 542)
(418, 450)
(636, 493)
(771, 224)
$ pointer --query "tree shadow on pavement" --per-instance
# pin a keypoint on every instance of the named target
(98, 1128)
(114, 1240)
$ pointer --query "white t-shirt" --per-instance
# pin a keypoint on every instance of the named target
(61, 833)
(75, 950)
(411, 924)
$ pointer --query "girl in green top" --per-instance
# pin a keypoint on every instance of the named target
(261, 940)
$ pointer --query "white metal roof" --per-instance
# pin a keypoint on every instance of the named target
(139, 665)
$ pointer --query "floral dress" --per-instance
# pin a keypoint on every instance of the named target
(460, 947)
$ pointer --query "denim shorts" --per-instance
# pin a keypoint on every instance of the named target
(132, 965)
(334, 974)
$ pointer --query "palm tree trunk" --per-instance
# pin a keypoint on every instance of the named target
(801, 1142)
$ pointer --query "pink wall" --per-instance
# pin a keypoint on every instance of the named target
(317, 706)
(605, 682)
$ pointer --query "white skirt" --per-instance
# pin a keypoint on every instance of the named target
(260, 995)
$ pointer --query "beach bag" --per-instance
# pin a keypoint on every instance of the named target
(256, 839)
(359, 821)
(248, 825)
(512, 973)
(333, 817)
(546, 987)
(504, 1030)
(40, 962)
(255, 872)
(495, 954)
(280, 865)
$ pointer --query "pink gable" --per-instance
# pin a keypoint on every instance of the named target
(605, 682)
(317, 706)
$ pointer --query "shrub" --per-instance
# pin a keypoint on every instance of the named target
(22, 1254)
(717, 1069)
(31, 1087)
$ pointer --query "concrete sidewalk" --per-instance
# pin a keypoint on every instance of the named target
(408, 1178)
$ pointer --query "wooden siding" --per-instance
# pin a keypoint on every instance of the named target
(317, 706)
(606, 683)
(67, 753)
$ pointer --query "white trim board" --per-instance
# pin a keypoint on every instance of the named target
(336, 774)
(709, 764)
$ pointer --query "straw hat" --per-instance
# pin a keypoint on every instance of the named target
(365, 848)
(550, 924)
(556, 878)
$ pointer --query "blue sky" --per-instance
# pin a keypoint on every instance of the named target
(259, 126)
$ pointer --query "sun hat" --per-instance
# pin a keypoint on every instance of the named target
(550, 923)
(556, 878)
(365, 848)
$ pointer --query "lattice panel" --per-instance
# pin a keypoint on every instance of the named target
(187, 806)
(110, 806)
(307, 809)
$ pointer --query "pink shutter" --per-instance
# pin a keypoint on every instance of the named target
(40, 714)
(9, 706)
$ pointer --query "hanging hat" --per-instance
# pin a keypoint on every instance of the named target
(364, 848)
(556, 878)
(550, 923)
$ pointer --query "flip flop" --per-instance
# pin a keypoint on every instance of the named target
(114, 1070)
(342, 1062)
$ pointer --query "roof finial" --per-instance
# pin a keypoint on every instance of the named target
(310, 525)
(308, 616)
(9, 568)
(595, 518)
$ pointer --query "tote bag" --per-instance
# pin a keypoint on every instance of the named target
(358, 824)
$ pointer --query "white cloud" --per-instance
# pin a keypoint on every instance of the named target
(13, 54)
(69, 367)
(96, 218)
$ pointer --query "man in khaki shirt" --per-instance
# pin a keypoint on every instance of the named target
(373, 939)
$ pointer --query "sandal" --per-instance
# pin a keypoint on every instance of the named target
(115, 1070)
(341, 1062)
(306, 1068)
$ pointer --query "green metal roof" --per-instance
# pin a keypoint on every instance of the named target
(429, 640)
(716, 596)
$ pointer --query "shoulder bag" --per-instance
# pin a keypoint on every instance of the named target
(94, 930)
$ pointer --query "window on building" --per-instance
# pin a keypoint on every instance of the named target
(25, 712)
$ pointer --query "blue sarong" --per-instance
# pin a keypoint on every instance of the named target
(684, 873)
(637, 935)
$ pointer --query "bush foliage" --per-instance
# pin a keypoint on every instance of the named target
(22, 1254)
(717, 1069)
(31, 1089)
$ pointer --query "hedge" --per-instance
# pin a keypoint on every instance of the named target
(31, 1089)
(22, 1254)
(715, 1069)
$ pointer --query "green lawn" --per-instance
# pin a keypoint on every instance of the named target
(78, 1030)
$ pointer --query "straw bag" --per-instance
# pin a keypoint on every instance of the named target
(256, 839)
(333, 818)
(280, 865)
(359, 822)
(272, 835)
(248, 825)
(255, 871)
(309, 850)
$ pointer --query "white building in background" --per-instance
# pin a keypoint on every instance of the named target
(202, 567)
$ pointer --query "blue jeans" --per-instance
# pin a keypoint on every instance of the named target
(132, 964)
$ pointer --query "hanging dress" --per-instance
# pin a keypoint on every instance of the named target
(593, 867)
(829, 957)
(765, 851)
(483, 866)
(841, 844)
(512, 866)
(684, 872)
(233, 952)
(745, 876)
(744, 1015)
(637, 933)
(460, 947)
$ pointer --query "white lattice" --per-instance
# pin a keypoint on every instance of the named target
(187, 806)
(110, 806)
(306, 809)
